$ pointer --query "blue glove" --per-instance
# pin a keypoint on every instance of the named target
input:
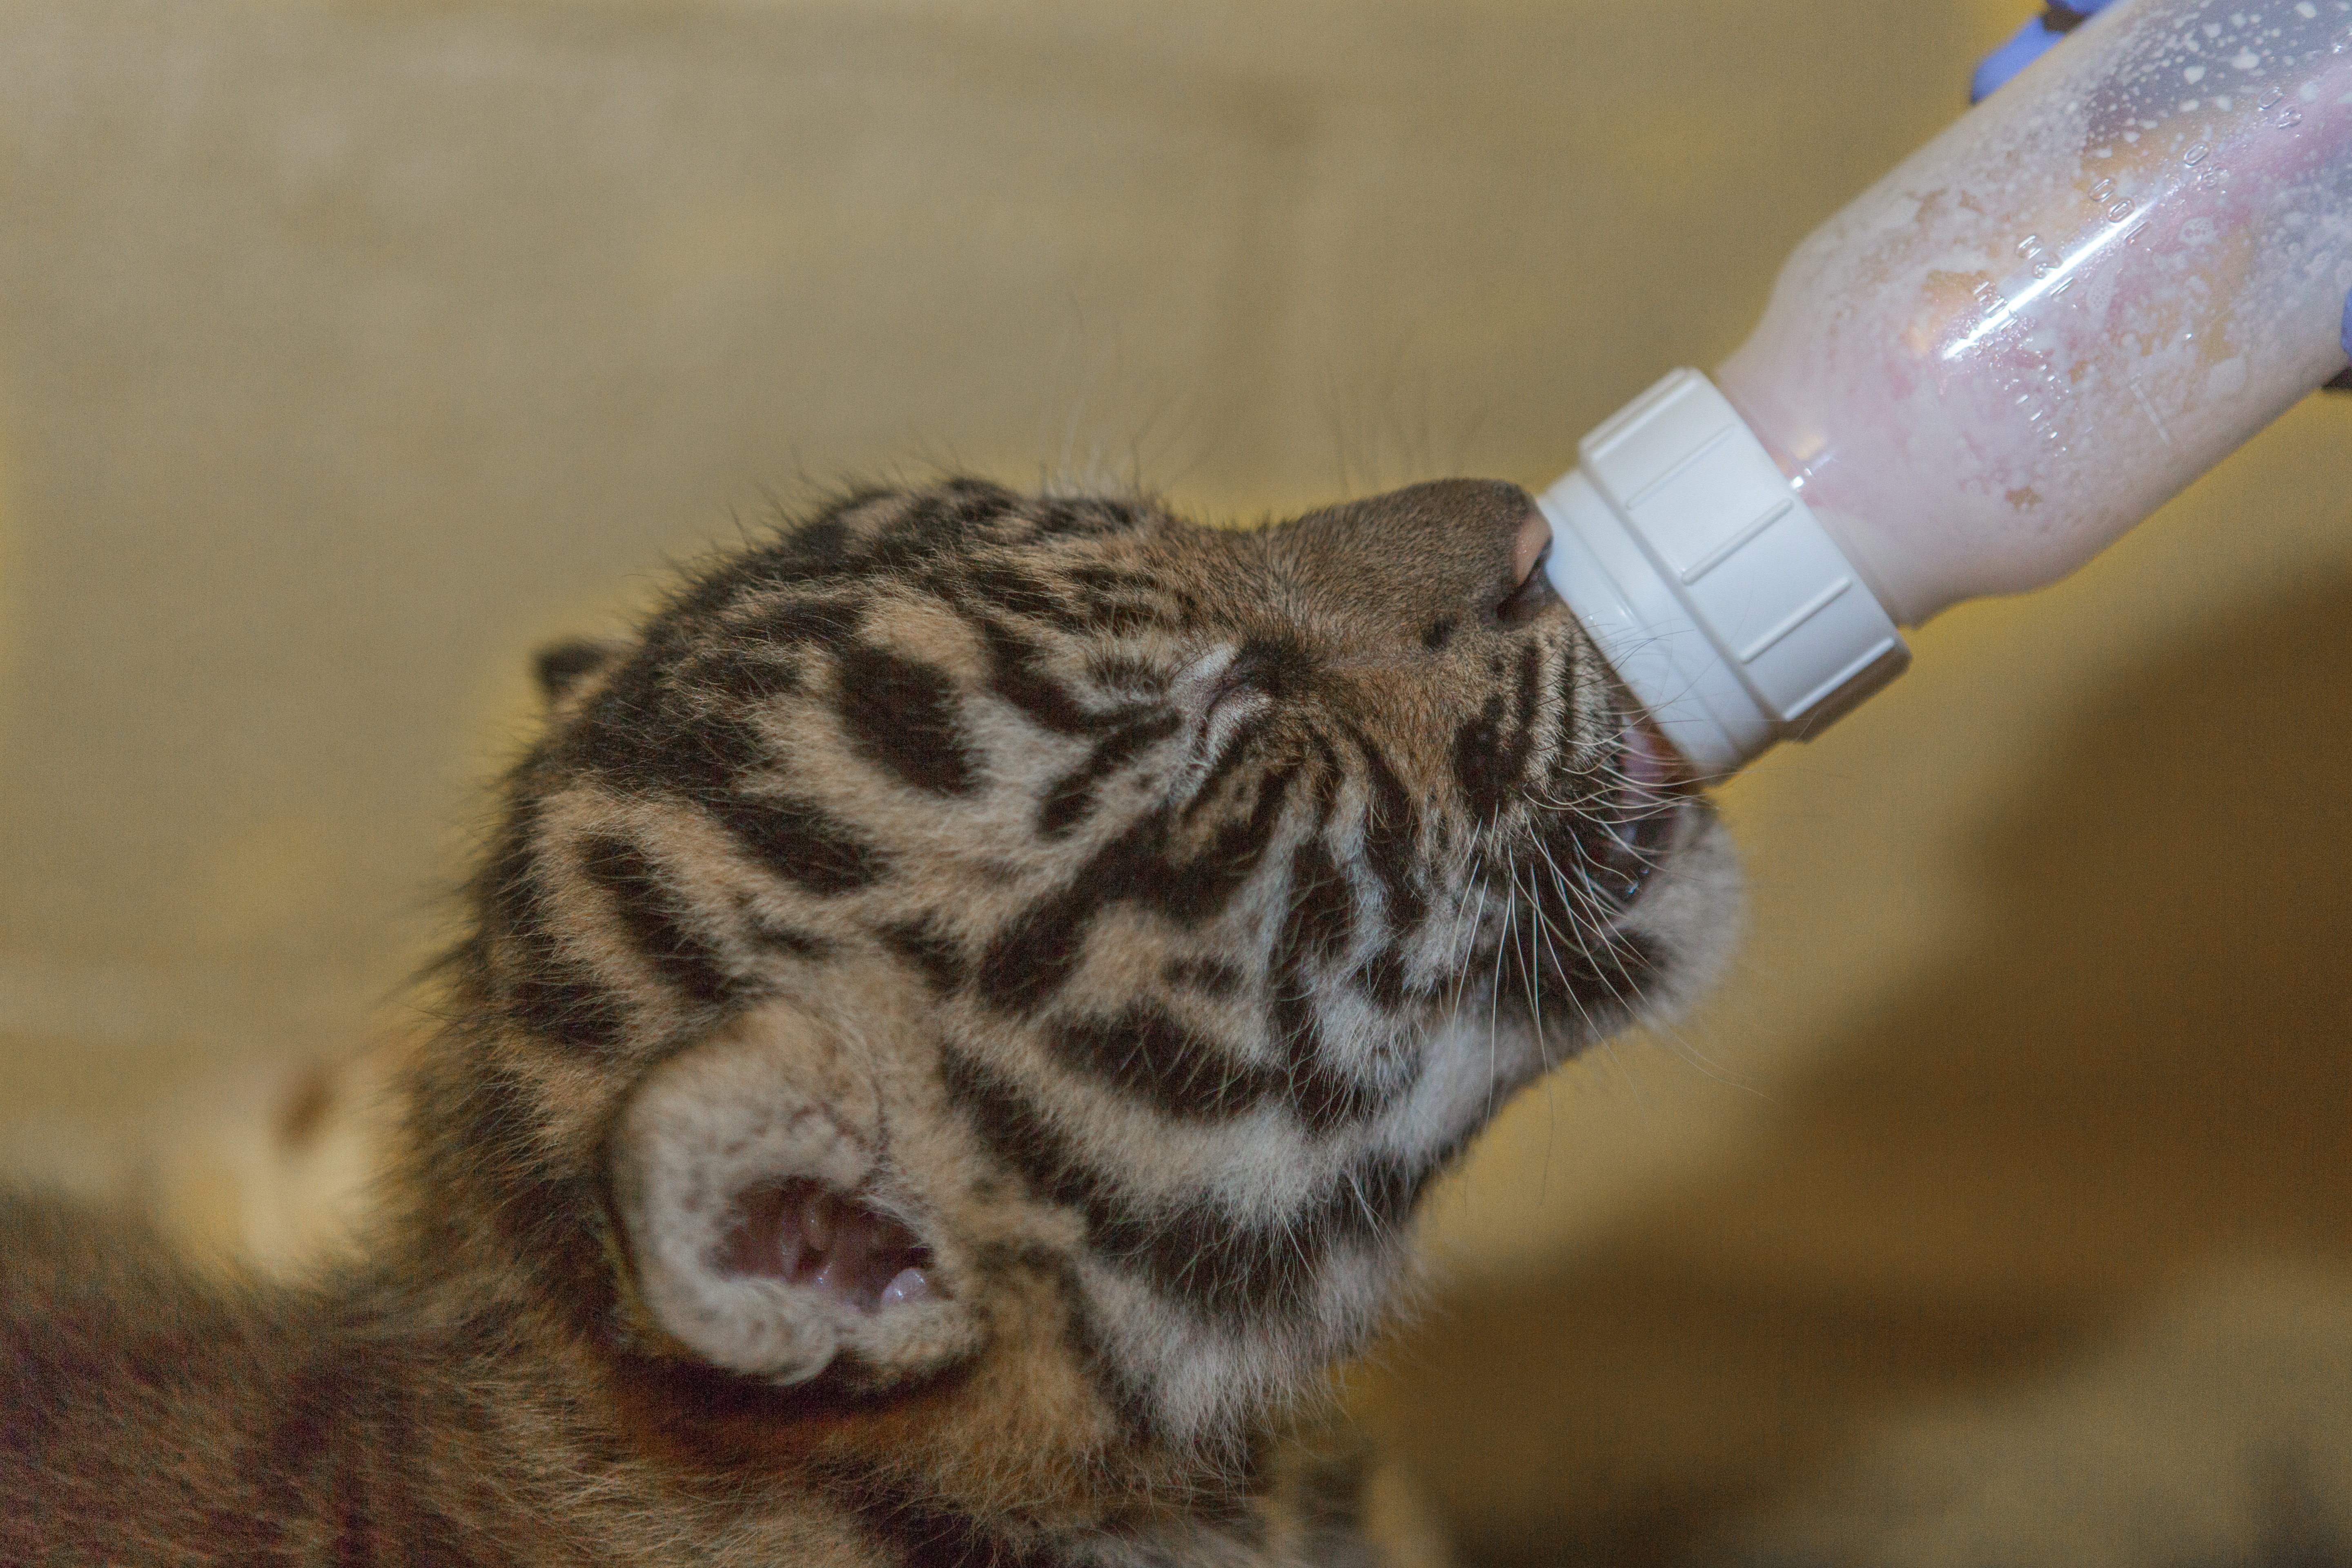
(2030, 43)
(2037, 38)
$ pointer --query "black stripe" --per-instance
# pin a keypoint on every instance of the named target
(903, 715)
(917, 1535)
(1131, 614)
(1327, 1099)
(1037, 952)
(1282, 665)
(561, 1000)
(1072, 798)
(1147, 1053)
(537, 985)
(1016, 674)
(1490, 751)
(826, 620)
(1131, 1403)
(1322, 904)
(1392, 840)
(1230, 858)
(559, 667)
(644, 734)
(820, 548)
(1101, 577)
(936, 520)
(781, 938)
(1377, 1193)
(659, 922)
(745, 675)
(1088, 516)
(547, 1218)
(1120, 602)
(1018, 1135)
(671, 720)
(1239, 752)
(1530, 700)
(1478, 758)
(1323, 1095)
(935, 952)
(1127, 672)
(1385, 979)
(801, 843)
(1197, 1254)
(1330, 777)
(995, 585)
(1209, 976)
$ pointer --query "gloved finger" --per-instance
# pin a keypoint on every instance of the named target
(2030, 43)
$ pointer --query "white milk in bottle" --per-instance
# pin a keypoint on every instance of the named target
(2020, 342)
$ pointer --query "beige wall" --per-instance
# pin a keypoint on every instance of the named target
(348, 349)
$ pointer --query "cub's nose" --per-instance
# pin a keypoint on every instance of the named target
(1528, 548)
(1532, 591)
(1430, 559)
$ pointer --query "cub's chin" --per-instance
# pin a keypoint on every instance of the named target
(1624, 908)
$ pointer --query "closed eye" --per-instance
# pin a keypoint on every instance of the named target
(1235, 704)
(1223, 687)
(1227, 705)
(1229, 685)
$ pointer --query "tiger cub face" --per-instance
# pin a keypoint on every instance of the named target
(990, 952)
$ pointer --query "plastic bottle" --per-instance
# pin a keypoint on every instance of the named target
(2022, 341)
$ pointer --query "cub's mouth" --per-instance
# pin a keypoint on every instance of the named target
(1648, 791)
(1625, 830)
(1570, 954)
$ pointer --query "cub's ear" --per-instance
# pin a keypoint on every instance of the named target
(561, 665)
(764, 1235)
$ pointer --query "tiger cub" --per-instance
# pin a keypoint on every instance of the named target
(956, 1015)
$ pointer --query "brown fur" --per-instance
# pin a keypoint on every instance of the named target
(1121, 920)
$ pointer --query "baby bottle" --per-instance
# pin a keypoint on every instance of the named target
(2026, 338)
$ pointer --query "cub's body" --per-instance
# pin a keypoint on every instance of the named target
(956, 1015)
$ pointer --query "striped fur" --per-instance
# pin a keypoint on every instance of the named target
(1103, 926)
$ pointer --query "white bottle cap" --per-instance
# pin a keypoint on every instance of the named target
(1725, 606)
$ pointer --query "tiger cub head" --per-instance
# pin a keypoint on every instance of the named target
(1018, 959)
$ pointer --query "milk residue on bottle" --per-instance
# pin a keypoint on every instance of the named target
(2044, 324)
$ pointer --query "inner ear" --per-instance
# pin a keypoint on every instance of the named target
(843, 1249)
(764, 1227)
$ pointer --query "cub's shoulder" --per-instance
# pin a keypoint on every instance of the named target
(72, 1271)
(98, 1323)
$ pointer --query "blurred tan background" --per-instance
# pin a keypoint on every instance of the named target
(348, 351)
